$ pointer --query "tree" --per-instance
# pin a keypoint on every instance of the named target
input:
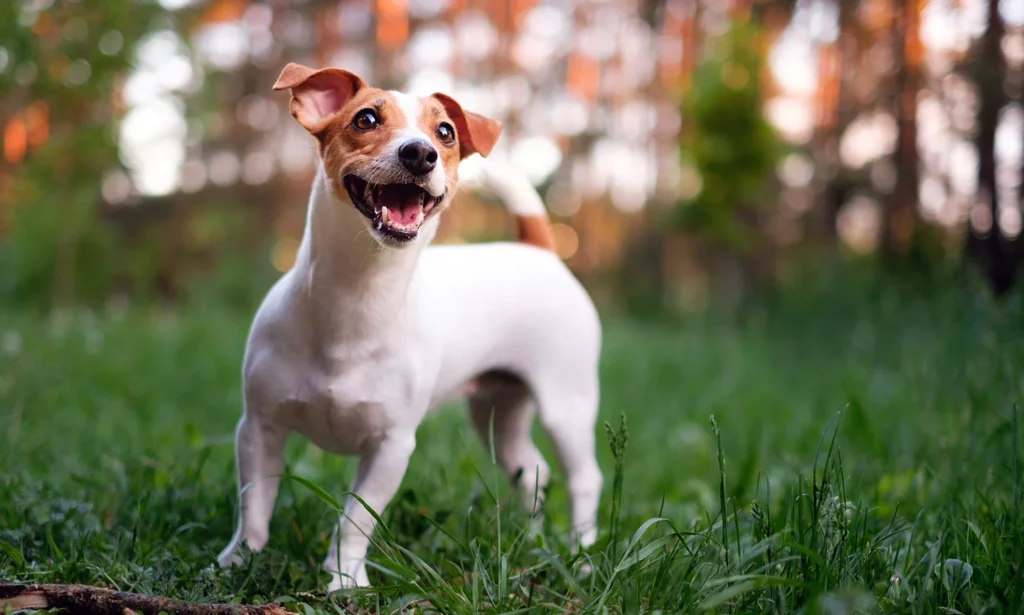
(998, 255)
(733, 149)
(64, 62)
(900, 213)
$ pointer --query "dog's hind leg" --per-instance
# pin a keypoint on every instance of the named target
(503, 403)
(569, 416)
(259, 455)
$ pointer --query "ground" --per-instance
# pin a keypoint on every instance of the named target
(867, 454)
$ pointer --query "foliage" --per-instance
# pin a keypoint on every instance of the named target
(869, 436)
(67, 59)
(727, 141)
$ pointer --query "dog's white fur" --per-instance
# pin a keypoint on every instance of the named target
(358, 341)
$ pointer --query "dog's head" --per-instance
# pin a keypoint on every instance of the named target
(392, 156)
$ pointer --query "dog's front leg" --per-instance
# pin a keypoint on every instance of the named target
(377, 480)
(259, 455)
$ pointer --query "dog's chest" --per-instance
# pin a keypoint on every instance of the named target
(350, 407)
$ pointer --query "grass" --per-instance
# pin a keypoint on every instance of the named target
(864, 455)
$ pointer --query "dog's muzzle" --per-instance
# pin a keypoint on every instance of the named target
(396, 211)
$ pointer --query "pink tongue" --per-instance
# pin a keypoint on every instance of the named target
(403, 203)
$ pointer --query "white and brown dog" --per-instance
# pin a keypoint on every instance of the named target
(371, 329)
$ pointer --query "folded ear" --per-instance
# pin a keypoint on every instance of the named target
(317, 94)
(476, 133)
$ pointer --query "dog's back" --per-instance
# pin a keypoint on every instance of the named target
(522, 291)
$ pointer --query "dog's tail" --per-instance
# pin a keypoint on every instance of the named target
(522, 201)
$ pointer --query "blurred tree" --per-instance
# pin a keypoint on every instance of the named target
(900, 218)
(997, 254)
(841, 62)
(587, 80)
(730, 146)
(62, 64)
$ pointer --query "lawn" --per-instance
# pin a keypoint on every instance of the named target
(867, 456)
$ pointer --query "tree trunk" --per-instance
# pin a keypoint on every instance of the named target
(1018, 241)
(997, 254)
(901, 215)
(833, 188)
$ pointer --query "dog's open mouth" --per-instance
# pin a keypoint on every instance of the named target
(395, 210)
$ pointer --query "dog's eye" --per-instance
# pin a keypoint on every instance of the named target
(366, 120)
(446, 133)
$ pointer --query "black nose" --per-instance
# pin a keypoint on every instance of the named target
(418, 156)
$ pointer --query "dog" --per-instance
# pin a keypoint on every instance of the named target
(371, 329)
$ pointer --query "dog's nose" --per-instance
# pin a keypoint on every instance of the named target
(418, 156)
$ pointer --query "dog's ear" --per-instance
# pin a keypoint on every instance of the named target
(476, 133)
(317, 94)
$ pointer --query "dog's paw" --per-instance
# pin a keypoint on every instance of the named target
(536, 527)
(229, 557)
(355, 577)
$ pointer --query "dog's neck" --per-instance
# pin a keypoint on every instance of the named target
(352, 281)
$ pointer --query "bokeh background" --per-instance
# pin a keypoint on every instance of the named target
(692, 152)
(800, 217)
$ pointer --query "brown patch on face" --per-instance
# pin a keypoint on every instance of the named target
(373, 145)
(477, 133)
(327, 102)
(432, 116)
(345, 148)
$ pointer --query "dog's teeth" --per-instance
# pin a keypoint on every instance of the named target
(384, 214)
(419, 218)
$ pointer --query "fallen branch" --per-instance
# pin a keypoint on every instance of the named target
(89, 600)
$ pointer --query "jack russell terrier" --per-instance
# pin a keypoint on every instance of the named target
(371, 329)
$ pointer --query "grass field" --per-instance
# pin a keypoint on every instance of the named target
(869, 440)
